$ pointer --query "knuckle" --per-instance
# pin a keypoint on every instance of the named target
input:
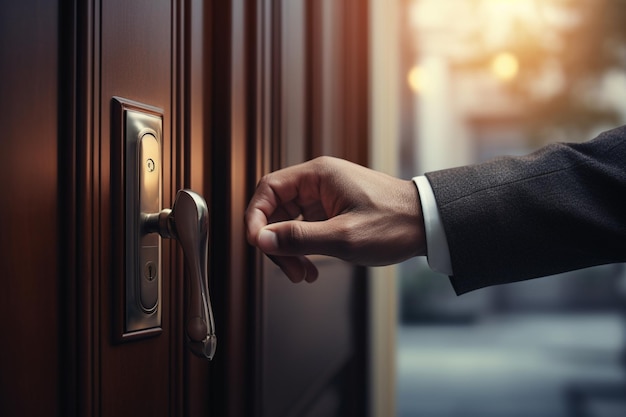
(323, 162)
(264, 181)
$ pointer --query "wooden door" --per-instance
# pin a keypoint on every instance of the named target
(137, 50)
(62, 63)
(244, 88)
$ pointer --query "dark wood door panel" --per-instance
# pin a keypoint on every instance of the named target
(30, 295)
(312, 336)
(307, 335)
(136, 54)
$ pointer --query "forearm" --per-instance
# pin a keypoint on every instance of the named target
(559, 209)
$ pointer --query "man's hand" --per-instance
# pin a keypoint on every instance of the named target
(332, 207)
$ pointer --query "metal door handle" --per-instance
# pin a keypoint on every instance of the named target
(188, 223)
(139, 131)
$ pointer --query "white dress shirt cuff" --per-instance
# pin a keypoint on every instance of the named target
(436, 241)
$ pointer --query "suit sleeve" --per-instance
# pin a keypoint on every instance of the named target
(514, 218)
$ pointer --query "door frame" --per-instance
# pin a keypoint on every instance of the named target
(384, 102)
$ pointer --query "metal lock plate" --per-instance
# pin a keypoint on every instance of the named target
(141, 127)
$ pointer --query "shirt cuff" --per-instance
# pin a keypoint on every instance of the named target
(436, 241)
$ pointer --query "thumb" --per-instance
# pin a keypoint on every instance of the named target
(267, 241)
(290, 238)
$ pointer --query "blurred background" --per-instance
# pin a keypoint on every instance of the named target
(480, 78)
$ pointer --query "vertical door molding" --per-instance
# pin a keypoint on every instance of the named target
(232, 162)
(87, 206)
(193, 158)
(384, 128)
(356, 78)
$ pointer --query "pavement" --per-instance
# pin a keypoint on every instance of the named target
(513, 366)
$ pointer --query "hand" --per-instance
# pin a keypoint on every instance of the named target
(333, 207)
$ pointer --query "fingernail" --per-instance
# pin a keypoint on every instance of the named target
(268, 241)
(311, 276)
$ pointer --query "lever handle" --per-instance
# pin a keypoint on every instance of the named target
(188, 222)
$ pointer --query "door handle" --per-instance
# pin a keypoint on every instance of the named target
(188, 222)
(138, 134)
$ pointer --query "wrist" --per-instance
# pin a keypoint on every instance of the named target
(416, 219)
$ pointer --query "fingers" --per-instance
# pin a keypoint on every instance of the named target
(277, 241)
(295, 238)
(287, 194)
(297, 268)
(287, 216)
(272, 201)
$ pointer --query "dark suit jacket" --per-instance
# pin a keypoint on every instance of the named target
(514, 218)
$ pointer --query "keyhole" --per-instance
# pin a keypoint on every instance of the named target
(150, 271)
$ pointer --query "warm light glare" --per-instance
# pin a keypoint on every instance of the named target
(416, 79)
(505, 66)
